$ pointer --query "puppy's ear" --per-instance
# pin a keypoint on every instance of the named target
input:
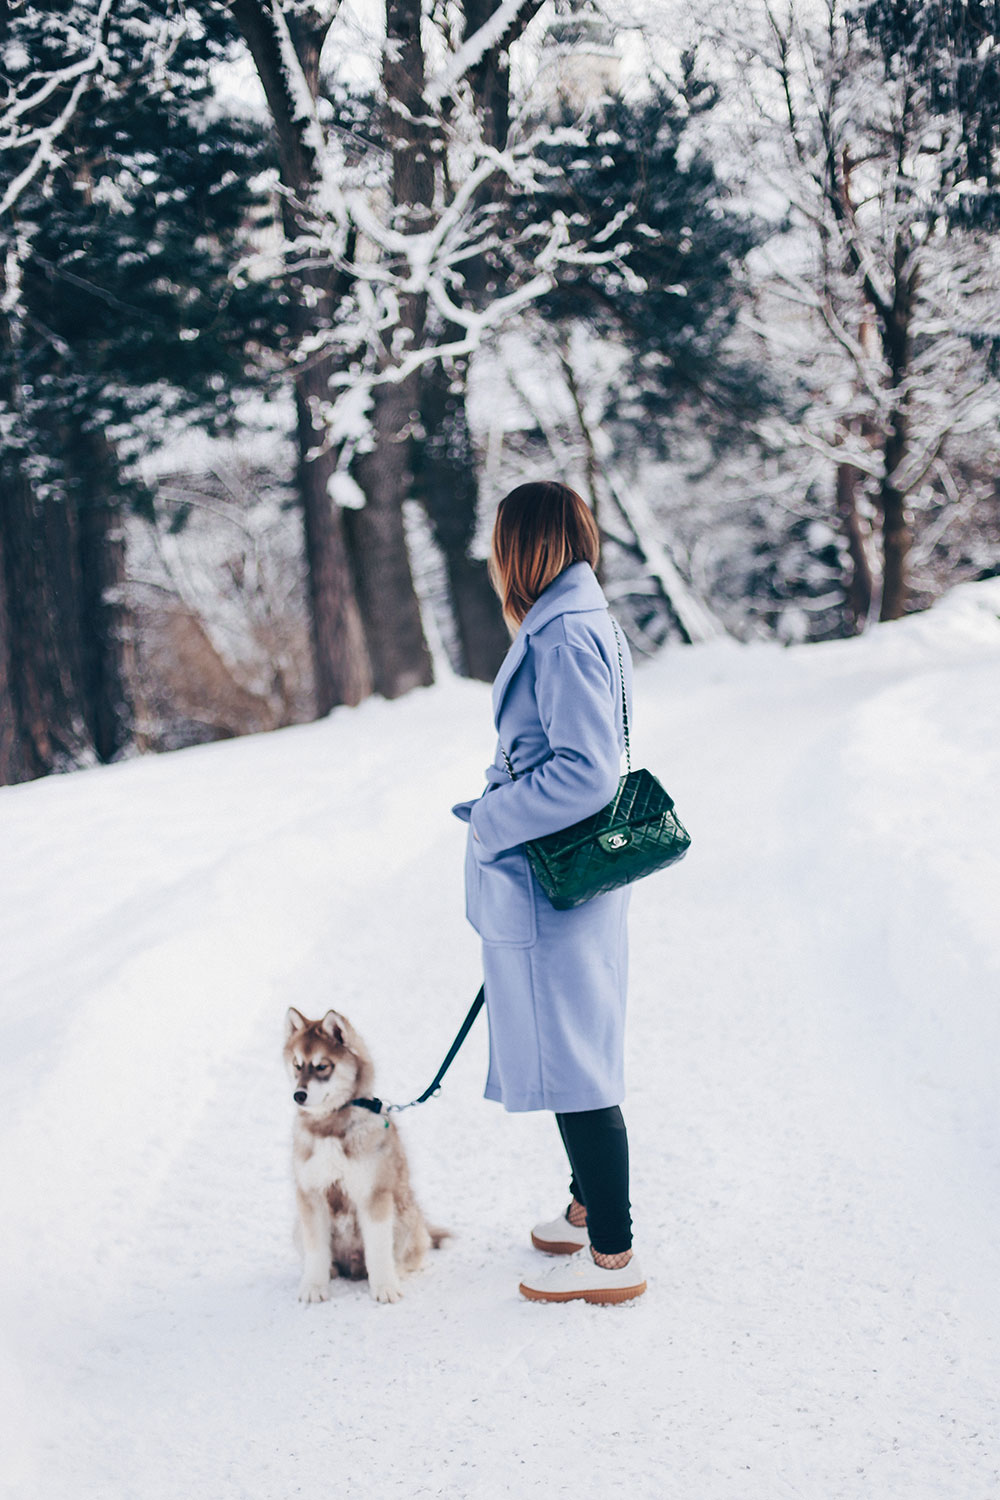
(296, 1021)
(334, 1025)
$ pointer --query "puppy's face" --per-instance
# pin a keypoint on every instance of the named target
(322, 1063)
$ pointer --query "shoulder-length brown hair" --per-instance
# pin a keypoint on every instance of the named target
(540, 529)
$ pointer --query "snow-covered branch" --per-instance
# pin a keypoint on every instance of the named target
(503, 26)
(45, 137)
(849, 451)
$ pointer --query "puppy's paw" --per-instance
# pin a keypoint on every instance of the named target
(386, 1291)
(313, 1291)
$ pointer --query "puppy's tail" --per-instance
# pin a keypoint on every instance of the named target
(439, 1235)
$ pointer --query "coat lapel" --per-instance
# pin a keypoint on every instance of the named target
(575, 589)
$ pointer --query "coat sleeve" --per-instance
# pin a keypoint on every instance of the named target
(576, 701)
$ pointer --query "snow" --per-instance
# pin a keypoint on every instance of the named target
(812, 1107)
(344, 490)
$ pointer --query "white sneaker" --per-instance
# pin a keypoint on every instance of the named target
(580, 1278)
(560, 1237)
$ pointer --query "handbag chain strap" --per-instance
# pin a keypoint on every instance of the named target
(621, 678)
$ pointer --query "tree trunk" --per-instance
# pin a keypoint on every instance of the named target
(42, 587)
(860, 587)
(341, 665)
(399, 654)
(45, 726)
(895, 526)
(17, 762)
(892, 500)
(895, 550)
(340, 656)
(106, 625)
(447, 484)
(396, 644)
(65, 637)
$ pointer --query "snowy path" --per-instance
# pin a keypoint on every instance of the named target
(814, 1079)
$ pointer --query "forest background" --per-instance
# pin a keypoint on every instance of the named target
(292, 291)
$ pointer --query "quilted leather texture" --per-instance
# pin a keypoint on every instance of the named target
(638, 832)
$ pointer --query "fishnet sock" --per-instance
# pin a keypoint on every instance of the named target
(611, 1262)
(577, 1215)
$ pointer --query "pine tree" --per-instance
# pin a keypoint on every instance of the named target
(119, 312)
(660, 283)
(670, 288)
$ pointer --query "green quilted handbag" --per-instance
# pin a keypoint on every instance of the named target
(638, 832)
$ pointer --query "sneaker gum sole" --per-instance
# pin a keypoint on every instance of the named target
(596, 1294)
(556, 1247)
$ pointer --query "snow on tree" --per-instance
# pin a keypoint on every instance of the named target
(373, 244)
(395, 263)
(880, 296)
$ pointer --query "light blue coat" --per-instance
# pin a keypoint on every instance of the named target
(555, 980)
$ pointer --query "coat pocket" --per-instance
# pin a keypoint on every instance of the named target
(505, 900)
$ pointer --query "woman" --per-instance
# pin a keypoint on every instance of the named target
(555, 980)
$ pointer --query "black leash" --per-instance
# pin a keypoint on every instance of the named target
(377, 1107)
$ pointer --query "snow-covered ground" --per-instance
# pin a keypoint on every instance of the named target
(814, 1082)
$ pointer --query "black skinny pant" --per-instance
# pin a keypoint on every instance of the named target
(597, 1147)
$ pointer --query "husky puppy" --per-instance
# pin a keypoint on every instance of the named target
(357, 1213)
